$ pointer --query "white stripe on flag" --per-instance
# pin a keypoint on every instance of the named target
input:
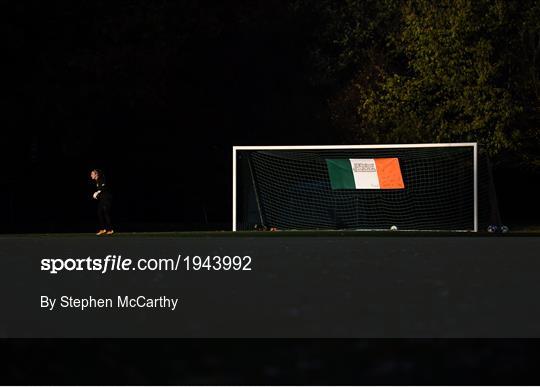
(365, 174)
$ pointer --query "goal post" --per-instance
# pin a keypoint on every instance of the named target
(420, 187)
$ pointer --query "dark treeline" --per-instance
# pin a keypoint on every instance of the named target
(156, 93)
(423, 71)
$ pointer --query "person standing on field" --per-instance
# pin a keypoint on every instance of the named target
(104, 197)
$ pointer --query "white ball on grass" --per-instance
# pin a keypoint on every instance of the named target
(393, 228)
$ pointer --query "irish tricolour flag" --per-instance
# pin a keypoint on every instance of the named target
(383, 173)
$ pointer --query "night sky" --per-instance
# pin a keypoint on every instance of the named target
(155, 94)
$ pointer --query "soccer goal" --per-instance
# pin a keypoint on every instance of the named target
(412, 187)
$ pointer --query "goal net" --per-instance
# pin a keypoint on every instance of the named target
(362, 187)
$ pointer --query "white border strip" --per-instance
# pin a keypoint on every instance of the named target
(378, 146)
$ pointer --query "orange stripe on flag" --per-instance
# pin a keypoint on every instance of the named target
(389, 173)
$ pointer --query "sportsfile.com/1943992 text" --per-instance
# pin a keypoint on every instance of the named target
(111, 263)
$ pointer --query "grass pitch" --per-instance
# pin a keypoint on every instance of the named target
(530, 231)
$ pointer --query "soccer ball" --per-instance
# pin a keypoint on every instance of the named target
(393, 228)
(504, 229)
(492, 228)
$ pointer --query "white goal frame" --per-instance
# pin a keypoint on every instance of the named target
(473, 145)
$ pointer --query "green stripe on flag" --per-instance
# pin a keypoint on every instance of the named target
(341, 174)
